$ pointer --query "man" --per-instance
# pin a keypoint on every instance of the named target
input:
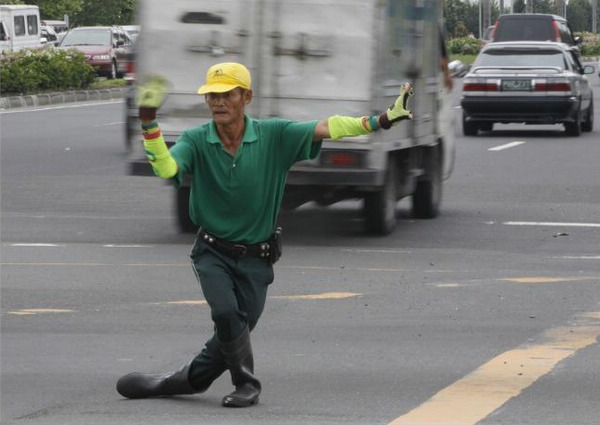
(238, 167)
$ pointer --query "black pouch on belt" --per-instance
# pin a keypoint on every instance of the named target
(275, 246)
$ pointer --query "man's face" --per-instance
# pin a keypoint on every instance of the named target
(227, 108)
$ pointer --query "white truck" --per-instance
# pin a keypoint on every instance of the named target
(19, 27)
(310, 59)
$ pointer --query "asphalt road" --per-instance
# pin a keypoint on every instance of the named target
(489, 314)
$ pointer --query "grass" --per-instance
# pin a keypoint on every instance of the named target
(107, 84)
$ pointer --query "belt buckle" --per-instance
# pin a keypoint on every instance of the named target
(240, 250)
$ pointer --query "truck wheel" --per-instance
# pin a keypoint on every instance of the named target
(427, 198)
(380, 206)
(183, 210)
(470, 128)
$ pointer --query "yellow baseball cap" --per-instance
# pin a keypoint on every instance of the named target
(226, 76)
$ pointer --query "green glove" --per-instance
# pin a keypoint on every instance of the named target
(151, 93)
(398, 111)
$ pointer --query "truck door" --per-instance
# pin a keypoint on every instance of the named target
(315, 63)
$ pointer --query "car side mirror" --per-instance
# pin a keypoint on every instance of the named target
(589, 69)
(578, 40)
(120, 43)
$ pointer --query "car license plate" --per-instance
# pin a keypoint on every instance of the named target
(516, 85)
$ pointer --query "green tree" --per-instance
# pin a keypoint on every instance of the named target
(544, 6)
(579, 15)
(519, 6)
(106, 12)
(461, 12)
(51, 9)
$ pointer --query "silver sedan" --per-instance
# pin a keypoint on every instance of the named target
(527, 82)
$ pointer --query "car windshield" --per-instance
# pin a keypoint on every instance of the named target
(506, 58)
(525, 29)
(87, 38)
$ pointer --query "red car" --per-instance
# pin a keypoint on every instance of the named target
(107, 49)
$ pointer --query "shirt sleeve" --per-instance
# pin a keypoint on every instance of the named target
(298, 139)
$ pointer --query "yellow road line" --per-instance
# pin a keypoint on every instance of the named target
(543, 279)
(323, 296)
(484, 390)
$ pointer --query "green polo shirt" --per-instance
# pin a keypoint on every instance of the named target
(237, 198)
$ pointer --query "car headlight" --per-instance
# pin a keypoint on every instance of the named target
(100, 57)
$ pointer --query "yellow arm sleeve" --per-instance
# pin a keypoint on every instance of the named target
(158, 154)
(340, 126)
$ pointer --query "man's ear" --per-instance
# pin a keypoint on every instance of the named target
(248, 97)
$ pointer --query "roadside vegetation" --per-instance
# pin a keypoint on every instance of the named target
(48, 70)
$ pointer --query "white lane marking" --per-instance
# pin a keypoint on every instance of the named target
(549, 223)
(387, 251)
(36, 245)
(578, 257)
(109, 124)
(506, 146)
(125, 246)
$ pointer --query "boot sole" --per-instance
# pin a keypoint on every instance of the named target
(231, 402)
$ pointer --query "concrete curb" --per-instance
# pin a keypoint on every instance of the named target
(36, 100)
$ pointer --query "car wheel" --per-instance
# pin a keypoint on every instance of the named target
(574, 128)
(113, 71)
(469, 128)
(588, 124)
(486, 126)
(380, 207)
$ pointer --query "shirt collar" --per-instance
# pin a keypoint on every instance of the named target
(249, 133)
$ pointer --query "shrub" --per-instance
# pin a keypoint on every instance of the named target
(464, 46)
(33, 71)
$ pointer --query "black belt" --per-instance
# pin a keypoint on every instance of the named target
(236, 250)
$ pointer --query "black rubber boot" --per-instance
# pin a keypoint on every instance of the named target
(143, 385)
(239, 358)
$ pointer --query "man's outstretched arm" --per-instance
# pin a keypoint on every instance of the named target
(336, 126)
(150, 96)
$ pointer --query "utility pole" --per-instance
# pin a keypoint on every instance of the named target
(594, 16)
(560, 7)
(501, 6)
(487, 14)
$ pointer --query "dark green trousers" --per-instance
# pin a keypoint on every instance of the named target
(235, 290)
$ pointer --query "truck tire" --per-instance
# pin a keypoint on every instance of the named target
(380, 207)
(182, 203)
(427, 198)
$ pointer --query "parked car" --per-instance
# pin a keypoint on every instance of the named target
(527, 82)
(59, 27)
(132, 30)
(534, 27)
(105, 48)
(49, 36)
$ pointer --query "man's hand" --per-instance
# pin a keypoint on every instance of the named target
(151, 93)
(398, 111)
